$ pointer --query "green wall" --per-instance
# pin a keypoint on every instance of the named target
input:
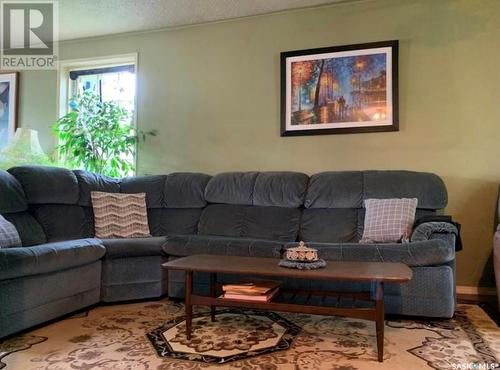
(212, 91)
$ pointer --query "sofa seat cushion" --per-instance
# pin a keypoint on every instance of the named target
(422, 253)
(40, 259)
(133, 247)
(186, 245)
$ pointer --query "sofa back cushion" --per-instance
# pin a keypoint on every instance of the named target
(264, 205)
(334, 200)
(14, 207)
(273, 223)
(153, 186)
(30, 231)
(185, 190)
(331, 225)
(89, 182)
(12, 197)
(64, 221)
(9, 237)
(47, 185)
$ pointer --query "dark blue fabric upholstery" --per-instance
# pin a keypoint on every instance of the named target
(422, 253)
(40, 259)
(274, 223)
(132, 278)
(332, 225)
(32, 300)
(180, 245)
(47, 185)
(12, 197)
(63, 222)
(349, 189)
(280, 189)
(179, 221)
(427, 187)
(335, 190)
(89, 182)
(30, 231)
(231, 188)
(151, 185)
(185, 190)
(136, 247)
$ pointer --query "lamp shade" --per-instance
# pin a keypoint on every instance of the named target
(27, 139)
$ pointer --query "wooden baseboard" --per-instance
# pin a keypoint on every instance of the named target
(474, 290)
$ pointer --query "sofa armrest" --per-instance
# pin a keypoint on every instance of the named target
(435, 230)
(44, 258)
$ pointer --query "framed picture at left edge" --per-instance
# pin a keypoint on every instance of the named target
(9, 101)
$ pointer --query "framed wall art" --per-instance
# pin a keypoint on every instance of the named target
(340, 89)
(9, 101)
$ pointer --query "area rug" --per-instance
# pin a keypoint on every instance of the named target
(116, 338)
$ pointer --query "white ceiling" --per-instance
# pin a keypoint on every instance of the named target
(88, 18)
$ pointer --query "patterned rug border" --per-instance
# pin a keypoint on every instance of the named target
(163, 349)
(482, 348)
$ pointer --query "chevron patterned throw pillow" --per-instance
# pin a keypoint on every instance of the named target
(120, 215)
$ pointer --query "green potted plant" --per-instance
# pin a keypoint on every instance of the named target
(99, 137)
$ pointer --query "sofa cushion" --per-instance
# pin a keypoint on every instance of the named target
(330, 225)
(343, 189)
(183, 221)
(348, 189)
(185, 190)
(12, 197)
(281, 189)
(9, 237)
(175, 221)
(30, 231)
(47, 185)
(231, 188)
(63, 222)
(135, 247)
(120, 215)
(18, 262)
(187, 245)
(428, 188)
(151, 185)
(222, 220)
(424, 253)
(273, 223)
(89, 182)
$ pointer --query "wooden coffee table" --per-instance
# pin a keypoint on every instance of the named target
(376, 273)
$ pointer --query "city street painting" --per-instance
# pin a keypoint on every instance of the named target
(8, 106)
(342, 89)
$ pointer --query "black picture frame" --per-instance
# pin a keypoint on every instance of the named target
(305, 120)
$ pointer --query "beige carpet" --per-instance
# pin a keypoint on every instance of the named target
(115, 338)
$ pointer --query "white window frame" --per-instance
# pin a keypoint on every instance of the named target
(64, 82)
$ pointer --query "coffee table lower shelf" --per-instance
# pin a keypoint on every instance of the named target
(374, 313)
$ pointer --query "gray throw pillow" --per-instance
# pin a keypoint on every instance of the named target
(9, 237)
(389, 220)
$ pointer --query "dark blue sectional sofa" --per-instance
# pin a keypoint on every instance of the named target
(61, 268)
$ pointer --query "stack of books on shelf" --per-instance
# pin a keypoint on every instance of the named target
(255, 291)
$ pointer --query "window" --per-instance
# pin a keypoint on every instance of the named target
(110, 78)
(111, 84)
